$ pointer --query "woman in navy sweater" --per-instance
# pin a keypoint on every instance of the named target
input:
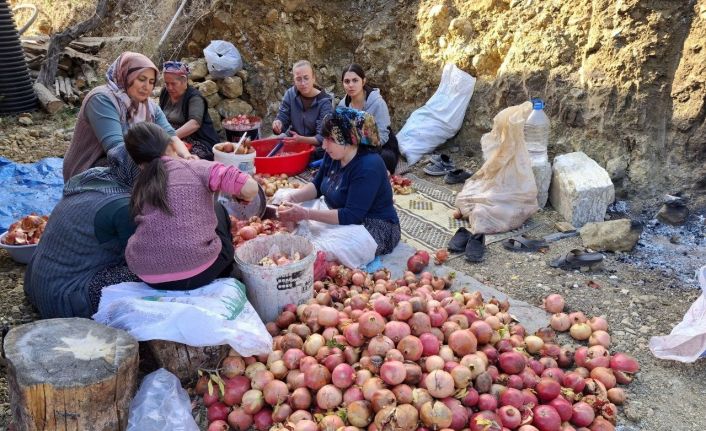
(353, 180)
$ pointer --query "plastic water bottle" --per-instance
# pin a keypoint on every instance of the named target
(537, 129)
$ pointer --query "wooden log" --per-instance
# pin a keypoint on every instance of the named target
(86, 46)
(62, 87)
(57, 93)
(70, 374)
(184, 361)
(70, 93)
(90, 73)
(76, 55)
(50, 103)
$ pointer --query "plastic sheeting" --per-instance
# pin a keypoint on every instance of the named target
(29, 188)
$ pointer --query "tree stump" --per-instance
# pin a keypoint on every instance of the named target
(70, 374)
(184, 361)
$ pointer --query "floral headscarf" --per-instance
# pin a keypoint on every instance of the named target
(125, 69)
(175, 67)
(352, 127)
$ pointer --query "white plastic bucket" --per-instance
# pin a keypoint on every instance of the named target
(244, 162)
(271, 288)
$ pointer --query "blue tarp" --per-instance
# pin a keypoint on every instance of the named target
(29, 188)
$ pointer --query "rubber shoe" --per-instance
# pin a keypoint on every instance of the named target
(475, 248)
(457, 243)
(456, 176)
(439, 166)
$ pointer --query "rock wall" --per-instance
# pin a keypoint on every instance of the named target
(623, 80)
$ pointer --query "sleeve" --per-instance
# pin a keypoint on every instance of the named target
(285, 110)
(362, 191)
(161, 120)
(114, 222)
(382, 118)
(105, 121)
(319, 177)
(226, 178)
(325, 109)
(197, 107)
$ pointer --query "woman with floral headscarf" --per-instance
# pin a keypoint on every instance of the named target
(109, 110)
(83, 246)
(353, 180)
(187, 110)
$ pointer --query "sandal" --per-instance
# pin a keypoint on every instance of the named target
(576, 259)
(525, 243)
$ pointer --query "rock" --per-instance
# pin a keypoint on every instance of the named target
(581, 190)
(25, 121)
(207, 88)
(213, 100)
(231, 87)
(614, 235)
(231, 107)
(617, 168)
(542, 170)
(198, 69)
(272, 16)
(216, 118)
(674, 211)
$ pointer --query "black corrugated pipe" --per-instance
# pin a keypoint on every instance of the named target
(16, 91)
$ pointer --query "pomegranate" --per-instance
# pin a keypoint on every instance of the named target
(371, 323)
(512, 362)
(435, 415)
(546, 418)
(554, 303)
(440, 384)
(547, 389)
(624, 363)
(463, 342)
(328, 397)
(560, 322)
(217, 411)
(393, 372)
(582, 414)
(359, 414)
(580, 331)
(239, 420)
(415, 264)
(510, 416)
(411, 348)
(263, 419)
(218, 425)
(275, 392)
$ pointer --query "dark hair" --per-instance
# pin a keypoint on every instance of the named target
(146, 144)
(358, 70)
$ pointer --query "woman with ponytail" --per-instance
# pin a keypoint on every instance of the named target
(183, 239)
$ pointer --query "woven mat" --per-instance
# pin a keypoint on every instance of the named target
(426, 215)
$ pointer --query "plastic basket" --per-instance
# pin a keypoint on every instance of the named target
(292, 164)
(244, 162)
(19, 253)
(268, 288)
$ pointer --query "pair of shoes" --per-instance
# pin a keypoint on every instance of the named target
(471, 245)
(439, 165)
(456, 176)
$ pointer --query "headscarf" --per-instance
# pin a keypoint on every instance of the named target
(116, 178)
(352, 127)
(125, 69)
(175, 67)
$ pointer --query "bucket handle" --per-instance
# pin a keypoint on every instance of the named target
(35, 12)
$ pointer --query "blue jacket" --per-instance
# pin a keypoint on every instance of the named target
(306, 123)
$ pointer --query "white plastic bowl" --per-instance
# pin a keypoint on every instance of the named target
(18, 253)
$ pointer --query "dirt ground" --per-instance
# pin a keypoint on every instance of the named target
(642, 293)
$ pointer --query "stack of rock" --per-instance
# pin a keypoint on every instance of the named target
(222, 95)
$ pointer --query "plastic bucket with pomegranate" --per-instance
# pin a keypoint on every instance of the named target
(236, 126)
(292, 159)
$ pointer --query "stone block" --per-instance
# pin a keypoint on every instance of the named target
(216, 118)
(231, 107)
(231, 87)
(207, 88)
(542, 170)
(213, 100)
(581, 189)
(198, 69)
(614, 235)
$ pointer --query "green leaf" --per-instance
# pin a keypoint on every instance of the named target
(210, 387)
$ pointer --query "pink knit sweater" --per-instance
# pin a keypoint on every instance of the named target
(175, 247)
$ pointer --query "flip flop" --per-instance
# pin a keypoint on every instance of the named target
(524, 243)
(576, 259)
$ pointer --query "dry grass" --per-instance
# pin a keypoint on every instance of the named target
(54, 15)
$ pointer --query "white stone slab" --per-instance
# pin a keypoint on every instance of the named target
(542, 170)
(581, 189)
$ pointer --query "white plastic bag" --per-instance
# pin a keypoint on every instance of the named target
(687, 341)
(161, 404)
(222, 58)
(212, 315)
(502, 194)
(351, 245)
(440, 118)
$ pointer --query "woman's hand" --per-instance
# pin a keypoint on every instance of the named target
(289, 212)
(277, 126)
(249, 190)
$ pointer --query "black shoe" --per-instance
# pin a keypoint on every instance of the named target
(457, 176)
(457, 243)
(475, 248)
(439, 166)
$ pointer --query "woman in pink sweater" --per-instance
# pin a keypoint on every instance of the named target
(183, 239)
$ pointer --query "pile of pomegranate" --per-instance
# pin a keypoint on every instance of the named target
(26, 231)
(245, 230)
(369, 352)
(401, 185)
(279, 259)
(229, 147)
(272, 183)
(242, 122)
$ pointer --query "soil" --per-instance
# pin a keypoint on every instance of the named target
(641, 293)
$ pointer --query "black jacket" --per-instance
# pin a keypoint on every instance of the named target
(206, 133)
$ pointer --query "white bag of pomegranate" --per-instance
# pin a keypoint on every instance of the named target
(687, 341)
(352, 245)
(213, 315)
(440, 118)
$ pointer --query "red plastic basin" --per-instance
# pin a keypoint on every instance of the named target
(291, 164)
